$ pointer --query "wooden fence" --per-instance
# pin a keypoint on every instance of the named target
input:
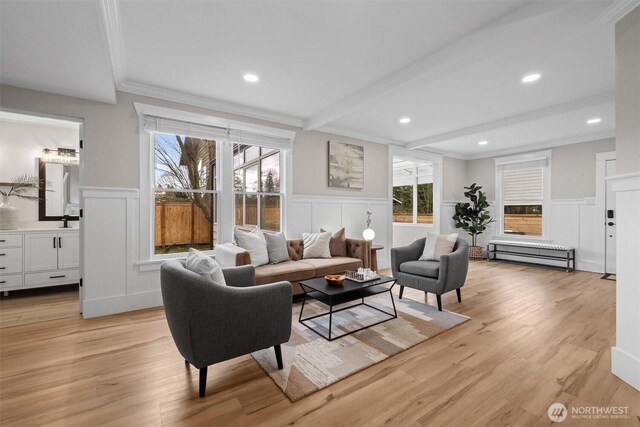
(181, 223)
(408, 218)
(528, 224)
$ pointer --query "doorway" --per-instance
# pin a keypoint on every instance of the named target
(610, 221)
(41, 175)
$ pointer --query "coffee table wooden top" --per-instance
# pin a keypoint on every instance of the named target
(320, 284)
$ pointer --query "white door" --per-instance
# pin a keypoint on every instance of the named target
(69, 250)
(41, 252)
(610, 221)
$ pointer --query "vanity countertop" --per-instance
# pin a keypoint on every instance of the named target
(37, 229)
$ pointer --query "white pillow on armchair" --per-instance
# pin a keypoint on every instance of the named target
(436, 245)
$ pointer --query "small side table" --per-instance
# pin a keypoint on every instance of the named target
(374, 256)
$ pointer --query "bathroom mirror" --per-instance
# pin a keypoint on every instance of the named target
(62, 194)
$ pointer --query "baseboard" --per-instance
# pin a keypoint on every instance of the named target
(626, 367)
(120, 304)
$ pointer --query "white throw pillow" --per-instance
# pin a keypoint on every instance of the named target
(205, 266)
(316, 245)
(436, 245)
(255, 243)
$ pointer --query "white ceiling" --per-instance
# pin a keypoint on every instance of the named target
(355, 68)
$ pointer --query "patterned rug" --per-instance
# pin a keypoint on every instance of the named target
(312, 363)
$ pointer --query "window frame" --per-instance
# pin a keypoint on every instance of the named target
(546, 199)
(143, 226)
(415, 178)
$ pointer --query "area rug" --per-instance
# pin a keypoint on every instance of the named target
(312, 363)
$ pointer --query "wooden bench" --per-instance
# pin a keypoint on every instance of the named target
(568, 253)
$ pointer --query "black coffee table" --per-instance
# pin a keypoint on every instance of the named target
(330, 295)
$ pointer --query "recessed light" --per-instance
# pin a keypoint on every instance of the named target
(405, 120)
(594, 121)
(483, 142)
(530, 78)
(251, 78)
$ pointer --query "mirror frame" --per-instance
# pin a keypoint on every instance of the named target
(42, 203)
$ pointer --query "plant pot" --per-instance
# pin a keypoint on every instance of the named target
(475, 252)
(8, 215)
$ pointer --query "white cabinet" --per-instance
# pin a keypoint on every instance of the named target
(52, 251)
(33, 258)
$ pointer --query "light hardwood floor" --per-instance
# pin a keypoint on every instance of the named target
(37, 305)
(536, 336)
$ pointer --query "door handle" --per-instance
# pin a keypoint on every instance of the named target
(57, 277)
(610, 224)
(60, 242)
(2, 241)
(2, 268)
(54, 243)
(2, 281)
(2, 254)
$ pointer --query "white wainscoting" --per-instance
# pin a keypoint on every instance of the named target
(112, 281)
(625, 356)
(573, 222)
(310, 213)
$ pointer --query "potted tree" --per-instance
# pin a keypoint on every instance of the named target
(473, 217)
(19, 187)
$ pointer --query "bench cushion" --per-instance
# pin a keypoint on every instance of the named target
(532, 245)
(421, 268)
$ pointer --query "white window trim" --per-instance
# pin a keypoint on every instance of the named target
(146, 258)
(436, 163)
(546, 200)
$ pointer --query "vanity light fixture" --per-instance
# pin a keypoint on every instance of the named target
(60, 155)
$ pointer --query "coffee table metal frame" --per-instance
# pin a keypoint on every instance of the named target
(332, 296)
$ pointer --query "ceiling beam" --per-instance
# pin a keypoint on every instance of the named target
(528, 116)
(502, 35)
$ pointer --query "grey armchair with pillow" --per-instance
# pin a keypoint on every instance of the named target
(437, 277)
(211, 323)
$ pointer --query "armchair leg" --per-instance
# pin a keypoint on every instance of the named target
(401, 291)
(203, 381)
(459, 292)
(279, 356)
(439, 298)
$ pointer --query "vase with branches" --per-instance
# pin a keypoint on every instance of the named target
(20, 187)
(473, 216)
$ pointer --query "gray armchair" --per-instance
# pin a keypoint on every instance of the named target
(437, 277)
(211, 323)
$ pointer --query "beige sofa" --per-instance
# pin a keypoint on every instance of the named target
(297, 268)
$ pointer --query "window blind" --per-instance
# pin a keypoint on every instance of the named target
(523, 186)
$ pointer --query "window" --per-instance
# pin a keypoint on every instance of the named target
(257, 187)
(200, 168)
(412, 192)
(523, 184)
(185, 196)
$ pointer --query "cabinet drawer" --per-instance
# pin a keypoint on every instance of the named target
(10, 240)
(10, 260)
(10, 281)
(51, 277)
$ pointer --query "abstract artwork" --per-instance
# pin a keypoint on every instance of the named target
(346, 165)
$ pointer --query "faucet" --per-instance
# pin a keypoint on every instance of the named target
(65, 221)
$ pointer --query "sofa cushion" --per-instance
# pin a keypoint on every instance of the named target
(338, 243)
(333, 265)
(421, 268)
(277, 247)
(255, 243)
(291, 271)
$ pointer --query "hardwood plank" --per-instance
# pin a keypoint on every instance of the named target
(536, 336)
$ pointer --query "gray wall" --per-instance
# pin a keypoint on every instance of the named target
(483, 173)
(628, 93)
(454, 179)
(310, 171)
(111, 154)
(573, 168)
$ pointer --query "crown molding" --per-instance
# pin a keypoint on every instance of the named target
(112, 38)
(209, 103)
(616, 11)
(546, 144)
